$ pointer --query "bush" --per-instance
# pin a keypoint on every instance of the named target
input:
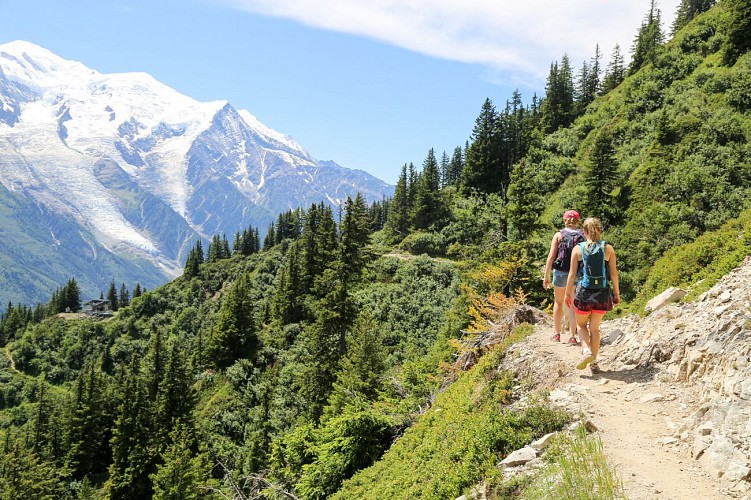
(419, 243)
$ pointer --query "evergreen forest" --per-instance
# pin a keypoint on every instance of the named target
(303, 363)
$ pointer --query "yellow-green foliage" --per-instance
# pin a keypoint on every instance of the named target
(708, 258)
(458, 441)
(579, 472)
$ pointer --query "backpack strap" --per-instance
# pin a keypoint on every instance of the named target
(603, 246)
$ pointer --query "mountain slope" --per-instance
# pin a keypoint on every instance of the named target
(145, 170)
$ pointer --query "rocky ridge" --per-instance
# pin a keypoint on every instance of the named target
(673, 402)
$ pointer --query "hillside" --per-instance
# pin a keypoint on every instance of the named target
(672, 402)
(400, 349)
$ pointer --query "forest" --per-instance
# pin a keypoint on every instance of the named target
(302, 365)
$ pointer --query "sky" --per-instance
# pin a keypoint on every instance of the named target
(369, 84)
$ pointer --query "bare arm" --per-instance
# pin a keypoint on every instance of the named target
(576, 256)
(610, 256)
(551, 257)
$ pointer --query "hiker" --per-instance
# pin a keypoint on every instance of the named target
(559, 259)
(596, 291)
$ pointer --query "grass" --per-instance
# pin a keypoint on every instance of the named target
(578, 471)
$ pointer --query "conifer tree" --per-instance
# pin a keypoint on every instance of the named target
(234, 334)
(524, 202)
(615, 72)
(137, 290)
(184, 474)
(112, 296)
(687, 11)
(601, 177)
(399, 216)
(648, 40)
(175, 398)
(124, 297)
(482, 171)
(429, 211)
(739, 38)
(287, 302)
(361, 369)
(455, 166)
(558, 109)
(132, 458)
(87, 428)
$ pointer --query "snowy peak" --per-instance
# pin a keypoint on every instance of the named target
(144, 169)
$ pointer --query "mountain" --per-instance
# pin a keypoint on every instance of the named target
(115, 176)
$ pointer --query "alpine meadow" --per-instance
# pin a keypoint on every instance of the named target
(304, 362)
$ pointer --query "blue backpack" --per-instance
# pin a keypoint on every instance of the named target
(569, 239)
(594, 273)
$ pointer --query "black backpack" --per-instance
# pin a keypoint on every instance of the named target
(569, 239)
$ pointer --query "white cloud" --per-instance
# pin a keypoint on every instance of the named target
(521, 37)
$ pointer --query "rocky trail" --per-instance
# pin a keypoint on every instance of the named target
(672, 404)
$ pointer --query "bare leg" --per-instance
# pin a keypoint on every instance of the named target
(571, 321)
(582, 321)
(558, 306)
(594, 332)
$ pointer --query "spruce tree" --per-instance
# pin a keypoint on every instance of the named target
(112, 296)
(525, 204)
(615, 72)
(687, 11)
(482, 171)
(399, 216)
(739, 38)
(429, 211)
(601, 177)
(648, 40)
(234, 334)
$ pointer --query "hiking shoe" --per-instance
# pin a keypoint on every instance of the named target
(584, 361)
(556, 337)
(572, 341)
(594, 367)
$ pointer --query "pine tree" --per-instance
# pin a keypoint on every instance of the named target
(137, 290)
(615, 72)
(361, 369)
(124, 297)
(739, 38)
(455, 166)
(234, 334)
(112, 296)
(399, 216)
(482, 171)
(601, 177)
(175, 398)
(87, 437)
(525, 204)
(648, 40)
(132, 457)
(184, 473)
(558, 108)
(429, 211)
(687, 11)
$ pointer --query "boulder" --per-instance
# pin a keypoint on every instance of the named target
(672, 294)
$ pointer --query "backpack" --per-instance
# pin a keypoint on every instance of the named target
(569, 239)
(594, 272)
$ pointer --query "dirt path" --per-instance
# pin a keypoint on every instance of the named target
(635, 412)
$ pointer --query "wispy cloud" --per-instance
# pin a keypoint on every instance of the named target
(521, 37)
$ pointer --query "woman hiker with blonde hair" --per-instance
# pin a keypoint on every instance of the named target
(596, 291)
(559, 258)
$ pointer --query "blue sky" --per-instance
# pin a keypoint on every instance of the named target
(370, 84)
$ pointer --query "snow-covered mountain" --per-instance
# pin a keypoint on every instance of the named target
(138, 170)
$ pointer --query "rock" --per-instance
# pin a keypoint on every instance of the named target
(519, 457)
(672, 294)
(651, 398)
(543, 443)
